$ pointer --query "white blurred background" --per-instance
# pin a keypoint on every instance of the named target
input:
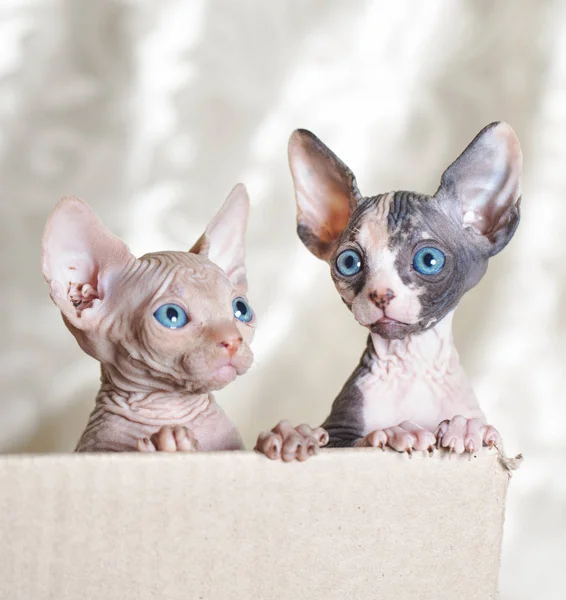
(152, 111)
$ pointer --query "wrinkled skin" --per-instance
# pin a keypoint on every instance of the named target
(156, 380)
(409, 391)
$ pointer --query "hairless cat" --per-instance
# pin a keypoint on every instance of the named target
(168, 328)
(401, 262)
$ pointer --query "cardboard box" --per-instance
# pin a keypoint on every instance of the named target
(349, 524)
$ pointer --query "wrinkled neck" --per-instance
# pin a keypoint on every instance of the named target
(433, 347)
(148, 406)
(135, 386)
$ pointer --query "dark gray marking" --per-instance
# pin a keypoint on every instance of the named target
(312, 241)
(466, 260)
(345, 424)
(400, 207)
(366, 206)
(500, 238)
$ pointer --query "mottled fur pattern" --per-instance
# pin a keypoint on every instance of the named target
(409, 390)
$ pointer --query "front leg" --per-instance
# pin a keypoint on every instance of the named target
(291, 443)
(169, 439)
(460, 434)
(405, 437)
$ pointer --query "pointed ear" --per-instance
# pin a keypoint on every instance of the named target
(325, 191)
(80, 259)
(482, 188)
(223, 241)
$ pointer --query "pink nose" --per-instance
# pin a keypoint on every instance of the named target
(231, 344)
(382, 299)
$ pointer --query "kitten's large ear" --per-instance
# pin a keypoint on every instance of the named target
(325, 191)
(482, 188)
(223, 241)
(80, 260)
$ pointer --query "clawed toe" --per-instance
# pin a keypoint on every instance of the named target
(461, 435)
(405, 437)
(288, 443)
(169, 439)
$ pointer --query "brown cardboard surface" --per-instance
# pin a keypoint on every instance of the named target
(348, 524)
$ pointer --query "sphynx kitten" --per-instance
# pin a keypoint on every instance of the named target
(168, 328)
(401, 262)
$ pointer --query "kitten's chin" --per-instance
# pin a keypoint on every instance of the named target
(226, 373)
(223, 376)
(391, 330)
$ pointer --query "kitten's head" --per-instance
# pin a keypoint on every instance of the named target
(401, 261)
(169, 320)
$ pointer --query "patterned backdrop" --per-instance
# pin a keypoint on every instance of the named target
(151, 111)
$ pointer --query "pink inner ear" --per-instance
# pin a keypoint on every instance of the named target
(224, 238)
(83, 284)
(325, 191)
(325, 214)
(486, 179)
(77, 251)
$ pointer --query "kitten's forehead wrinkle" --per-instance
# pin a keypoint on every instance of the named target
(184, 266)
(402, 208)
(384, 206)
(193, 279)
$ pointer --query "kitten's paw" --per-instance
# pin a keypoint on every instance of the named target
(405, 437)
(466, 435)
(169, 439)
(289, 443)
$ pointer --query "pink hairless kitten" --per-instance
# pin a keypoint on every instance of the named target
(401, 262)
(168, 328)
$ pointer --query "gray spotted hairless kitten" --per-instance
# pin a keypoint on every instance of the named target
(401, 262)
(168, 328)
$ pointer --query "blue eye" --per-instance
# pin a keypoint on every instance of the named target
(349, 263)
(242, 310)
(429, 261)
(171, 316)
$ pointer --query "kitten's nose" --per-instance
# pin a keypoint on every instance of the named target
(227, 336)
(231, 344)
(383, 298)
